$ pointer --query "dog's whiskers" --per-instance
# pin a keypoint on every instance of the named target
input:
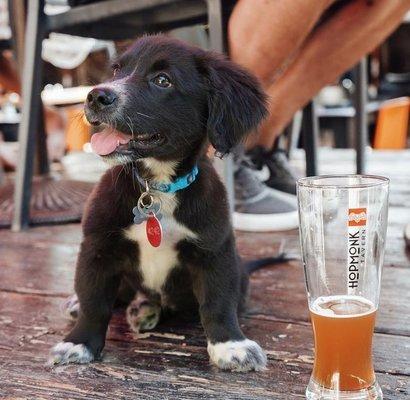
(144, 115)
(130, 126)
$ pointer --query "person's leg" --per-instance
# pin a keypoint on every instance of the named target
(264, 35)
(9, 79)
(335, 46)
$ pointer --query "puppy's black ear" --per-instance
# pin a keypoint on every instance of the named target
(236, 103)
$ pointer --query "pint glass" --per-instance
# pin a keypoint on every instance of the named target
(343, 221)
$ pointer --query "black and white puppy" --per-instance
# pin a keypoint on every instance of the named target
(165, 102)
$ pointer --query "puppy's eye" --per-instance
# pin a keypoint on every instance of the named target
(115, 69)
(162, 80)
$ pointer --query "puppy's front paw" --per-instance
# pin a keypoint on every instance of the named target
(67, 352)
(241, 356)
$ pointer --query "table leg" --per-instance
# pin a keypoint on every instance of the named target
(217, 36)
(311, 138)
(361, 127)
(31, 109)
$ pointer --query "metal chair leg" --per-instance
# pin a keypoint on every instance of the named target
(311, 138)
(31, 89)
(41, 162)
(17, 10)
(360, 120)
(217, 38)
(217, 28)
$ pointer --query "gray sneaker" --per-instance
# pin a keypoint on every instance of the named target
(259, 208)
(273, 169)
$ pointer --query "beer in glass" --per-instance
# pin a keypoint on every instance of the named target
(343, 221)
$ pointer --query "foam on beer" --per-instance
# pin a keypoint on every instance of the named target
(342, 306)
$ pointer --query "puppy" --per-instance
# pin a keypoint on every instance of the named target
(165, 102)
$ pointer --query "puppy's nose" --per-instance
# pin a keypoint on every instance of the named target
(99, 98)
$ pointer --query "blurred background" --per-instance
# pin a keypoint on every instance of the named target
(58, 139)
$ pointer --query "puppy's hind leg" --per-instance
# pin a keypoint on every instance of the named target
(70, 308)
(143, 313)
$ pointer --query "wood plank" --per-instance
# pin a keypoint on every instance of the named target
(171, 362)
(38, 267)
(43, 235)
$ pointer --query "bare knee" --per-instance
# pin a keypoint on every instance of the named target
(263, 35)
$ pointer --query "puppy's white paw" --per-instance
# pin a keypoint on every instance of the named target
(241, 356)
(71, 307)
(67, 352)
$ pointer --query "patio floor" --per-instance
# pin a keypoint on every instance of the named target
(36, 275)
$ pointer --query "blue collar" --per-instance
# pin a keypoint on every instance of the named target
(179, 183)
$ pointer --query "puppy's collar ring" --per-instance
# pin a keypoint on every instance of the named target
(149, 205)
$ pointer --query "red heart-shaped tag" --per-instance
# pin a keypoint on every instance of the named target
(154, 230)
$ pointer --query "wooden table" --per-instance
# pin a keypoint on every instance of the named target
(36, 274)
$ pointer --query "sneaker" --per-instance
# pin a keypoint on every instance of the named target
(259, 208)
(273, 169)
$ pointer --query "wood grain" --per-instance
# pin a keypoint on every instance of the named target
(171, 361)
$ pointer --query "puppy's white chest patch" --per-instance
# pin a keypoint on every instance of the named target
(155, 263)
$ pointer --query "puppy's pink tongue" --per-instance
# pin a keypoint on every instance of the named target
(106, 141)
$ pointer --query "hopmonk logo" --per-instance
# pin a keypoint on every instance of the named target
(357, 245)
(357, 216)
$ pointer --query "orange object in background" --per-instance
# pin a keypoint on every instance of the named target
(343, 331)
(78, 130)
(392, 124)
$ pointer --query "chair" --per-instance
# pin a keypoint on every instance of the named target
(117, 19)
(392, 124)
